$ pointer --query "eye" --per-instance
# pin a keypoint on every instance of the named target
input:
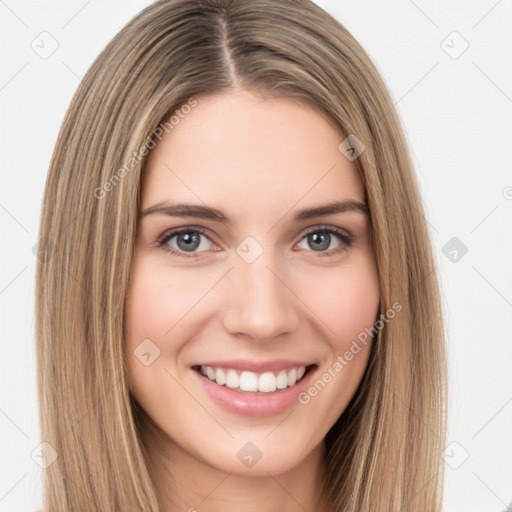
(187, 240)
(326, 240)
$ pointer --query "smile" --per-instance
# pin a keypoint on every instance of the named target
(266, 382)
(254, 389)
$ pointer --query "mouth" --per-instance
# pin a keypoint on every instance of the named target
(254, 383)
(262, 392)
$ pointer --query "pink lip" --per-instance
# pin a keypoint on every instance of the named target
(251, 404)
(251, 365)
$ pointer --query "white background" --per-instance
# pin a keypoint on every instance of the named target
(456, 113)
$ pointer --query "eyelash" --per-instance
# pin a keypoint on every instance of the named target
(345, 239)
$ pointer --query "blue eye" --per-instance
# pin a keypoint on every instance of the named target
(321, 239)
(187, 242)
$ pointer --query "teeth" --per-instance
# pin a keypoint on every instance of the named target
(220, 376)
(232, 379)
(282, 380)
(266, 382)
(292, 377)
(248, 381)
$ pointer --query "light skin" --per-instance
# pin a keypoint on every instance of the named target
(259, 160)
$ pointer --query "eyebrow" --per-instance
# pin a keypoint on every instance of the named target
(206, 212)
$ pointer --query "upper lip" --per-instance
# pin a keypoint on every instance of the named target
(252, 365)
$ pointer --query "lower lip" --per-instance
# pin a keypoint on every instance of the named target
(247, 404)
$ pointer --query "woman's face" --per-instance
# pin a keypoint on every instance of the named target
(239, 287)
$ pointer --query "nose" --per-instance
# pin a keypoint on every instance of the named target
(260, 303)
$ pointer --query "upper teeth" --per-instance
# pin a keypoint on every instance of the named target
(249, 381)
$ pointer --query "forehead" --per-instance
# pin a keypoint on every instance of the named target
(244, 152)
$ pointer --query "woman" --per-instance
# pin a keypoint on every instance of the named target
(239, 309)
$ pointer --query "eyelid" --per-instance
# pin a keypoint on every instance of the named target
(327, 227)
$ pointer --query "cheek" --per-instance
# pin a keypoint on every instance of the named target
(346, 301)
(161, 302)
(153, 307)
(148, 307)
(159, 298)
(348, 306)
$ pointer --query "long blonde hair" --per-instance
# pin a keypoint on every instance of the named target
(384, 453)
